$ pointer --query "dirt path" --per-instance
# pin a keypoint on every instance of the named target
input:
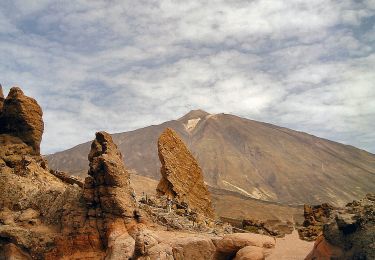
(291, 247)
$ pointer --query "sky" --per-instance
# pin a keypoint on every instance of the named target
(121, 65)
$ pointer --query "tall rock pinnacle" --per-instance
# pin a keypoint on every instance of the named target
(1, 98)
(182, 177)
(108, 194)
(22, 117)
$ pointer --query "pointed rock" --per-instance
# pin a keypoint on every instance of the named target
(182, 177)
(110, 178)
(1, 98)
(107, 193)
(22, 117)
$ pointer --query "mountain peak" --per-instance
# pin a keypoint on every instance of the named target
(194, 114)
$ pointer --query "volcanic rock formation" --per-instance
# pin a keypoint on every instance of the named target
(349, 234)
(21, 116)
(47, 215)
(108, 195)
(1, 98)
(315, 217)
(31, 199)
(182, 178)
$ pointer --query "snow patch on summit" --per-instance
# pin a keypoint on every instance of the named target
(191, 124)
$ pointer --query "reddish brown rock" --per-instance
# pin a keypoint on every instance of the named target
(250, 253)
(349, 233)
(233, 242)
(315, 217)
(1, 98)
(108, 196)
(11, 251)
(324, 250)
(22, 117)
(182, 178)
(99, 227)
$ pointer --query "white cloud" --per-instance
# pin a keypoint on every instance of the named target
(121, 65)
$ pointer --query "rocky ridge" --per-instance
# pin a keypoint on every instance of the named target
(182, 178)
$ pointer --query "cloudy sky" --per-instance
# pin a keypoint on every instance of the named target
(121, 65)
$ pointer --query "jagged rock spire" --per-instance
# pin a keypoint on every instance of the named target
(182, 177)
(110, 178)
(1, 98)
(22, 117)
(108, 195)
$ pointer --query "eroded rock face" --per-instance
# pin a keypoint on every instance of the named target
(108, 197)
(21, 117)
(315, 217)
(182, 178)
(1, 98)
(109, 178)
(48, 215)
(350, 232)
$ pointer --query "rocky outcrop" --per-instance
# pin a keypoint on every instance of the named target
(315, 217)
(21, 117)
(108, 195)
(48, 215)
(274, 228)
(31, 199)
(350, 232)
(1, 98)
(182, 178)
(106, 219)
(69, 179)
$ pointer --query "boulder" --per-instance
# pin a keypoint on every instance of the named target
(22, 117)
(349, 233)
(182, 178)
(324, 250)
(250, 253)
(231, 243)
(193, 247)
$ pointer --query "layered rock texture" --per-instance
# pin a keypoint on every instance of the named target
(1, 98)
(21, 116)
(32, 201)
(108, 196)
(315, 217)
(182, 178)
(349, 233)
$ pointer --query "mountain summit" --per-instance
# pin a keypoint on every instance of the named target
(255, 159)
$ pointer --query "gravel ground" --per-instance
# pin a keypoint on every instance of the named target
(291, 247)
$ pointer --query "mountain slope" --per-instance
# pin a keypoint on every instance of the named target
(260, 160)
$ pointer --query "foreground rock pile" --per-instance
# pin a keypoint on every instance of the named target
(182, 178)
(315, 217)
(46, 214)
(349, 233)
